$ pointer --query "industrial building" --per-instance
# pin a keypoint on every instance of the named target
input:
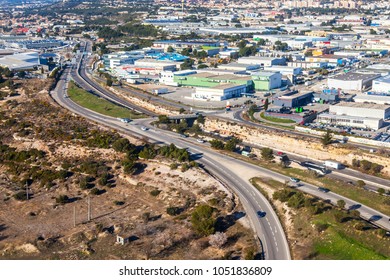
(179, 45)
(208, 80)
(168, 77)
(20, 61)
(266, 80)
(262, 61)
(239, 67)
(351, 121)
(157, 66)
(34, 44)
(284, 70)
(120, 58)
(372, 98)
(219, 92)
(352, 81)
(381, 84)
(327, 95)
(293, 99)
(115, 59)
(308, 65)
(361, 109)
(228, 53)
(331, 60)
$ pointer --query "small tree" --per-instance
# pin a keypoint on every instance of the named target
(231, 144)
(381, 191)
(267, 154)
(104, 179)
(360, 183)
(200, 119)
(266, 104)
(62, 199)
(341, 204)
(250, 254)
(109, 82)
(173, 211)
(170, 49)
(145, 217)
(163, 119)
(327, 138)
(217, 144)
(202, 220)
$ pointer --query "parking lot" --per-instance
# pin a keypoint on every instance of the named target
(383, 135)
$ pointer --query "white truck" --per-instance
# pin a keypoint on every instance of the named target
(158, 91)
(333, 164)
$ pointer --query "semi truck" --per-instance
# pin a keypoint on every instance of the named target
(333, 164)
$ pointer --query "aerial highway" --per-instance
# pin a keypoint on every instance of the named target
(268, 229)
(80, 76)
(235, 174)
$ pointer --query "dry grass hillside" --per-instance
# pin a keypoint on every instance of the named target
(66, 162)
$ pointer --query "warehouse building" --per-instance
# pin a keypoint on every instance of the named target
(308, 65)
(158, 66)
(219, 92)
(120, 58)
(293, 99)
(361, 109)
(327, 95)
(331, 60)
(372, 98)
(20, 61)
(284, 70)
(239, 67)
(36, 44)
(208, 80)
(262, 61)
(351, 121)
(179, 45)
(352, 81)
(266, 80)
(381, 84)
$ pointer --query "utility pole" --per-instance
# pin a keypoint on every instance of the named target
(74, 216)
(27, 190)
(89, 208)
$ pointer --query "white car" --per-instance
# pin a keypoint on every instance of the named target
(200, 140)
(144, 128)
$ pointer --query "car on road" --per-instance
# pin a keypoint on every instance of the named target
(125, 120)
(200, 140)
(183, 136)
(325, 190)
(144, 128)
(295, 180)
(261, 214)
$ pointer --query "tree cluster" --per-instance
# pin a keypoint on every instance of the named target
(367, 166)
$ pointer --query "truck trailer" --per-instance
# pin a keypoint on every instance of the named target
(333, 164)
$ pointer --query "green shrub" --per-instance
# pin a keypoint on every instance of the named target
(62, 199)
(173, 211)
(155, 192)
(20, 196)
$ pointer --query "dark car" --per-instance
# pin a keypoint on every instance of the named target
(261, 214)
(325, 190)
